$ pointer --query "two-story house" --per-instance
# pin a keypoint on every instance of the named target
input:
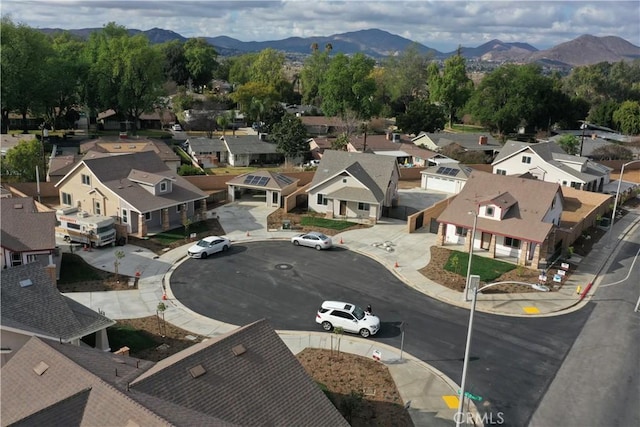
(354, 185)
(513, 217)
(28, 232)
(133, 145)
(136, 188)
(547, 161)
(398, 146)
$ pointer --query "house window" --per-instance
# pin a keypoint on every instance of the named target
(32, 258)
(125, 216)
(86, 179)
(163, 186)
(489, 211)
(363, 206)
(511, 242)
(322, 199)
(97, 209)
(564, 183)
(66, 199)
(576, 185)
(344, 180)
(461, 231)
(501, 172)
(147, 216)
(179, 208)
(526, 159)
(16, 258)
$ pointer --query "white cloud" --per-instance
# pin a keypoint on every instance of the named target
(438, 24)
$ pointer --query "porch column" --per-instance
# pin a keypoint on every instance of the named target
(535, 262)
(165, 219)
(102, 340)
(51, 272)
(142, 225)
(492, 246)
(183, 214)
(440, 235)
(467, 240)
(522, 256)
(203, 209)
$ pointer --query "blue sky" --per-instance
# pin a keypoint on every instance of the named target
(442, 25)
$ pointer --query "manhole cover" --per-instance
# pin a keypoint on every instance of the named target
(284, 266)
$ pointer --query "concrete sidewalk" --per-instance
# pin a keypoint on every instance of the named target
(431, 394)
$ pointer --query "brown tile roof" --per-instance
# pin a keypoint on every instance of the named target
(24, 228)
(264, 385)
(529, 201)
(129, 145)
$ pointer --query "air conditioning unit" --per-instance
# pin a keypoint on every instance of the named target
(83, 214)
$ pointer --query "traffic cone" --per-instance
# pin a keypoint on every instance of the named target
(341, 241)
(164, 296)
(84, 248)
(396, 265)
(248, 235)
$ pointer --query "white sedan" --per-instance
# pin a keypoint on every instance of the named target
(312, 239)
(209, 245)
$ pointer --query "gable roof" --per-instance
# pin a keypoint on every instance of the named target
(249, 144)
(373, 171)
(450, 170)
(114, 145)
(264, 180)
(528, 201)
(24, 228)
(39, 309)
(113, 172)
(206, 145)
(468, 141)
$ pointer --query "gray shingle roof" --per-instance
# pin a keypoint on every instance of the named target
(41, 309)
(113, 172)
(276, 181)
(249, 144)
(206, 145)
(528, 200)
(24, 228)
(265, 385)
(469, 141)
(371, 170)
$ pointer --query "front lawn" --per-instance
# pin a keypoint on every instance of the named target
(75, 269)
(333, 224)
(179, 234)
(488, 269)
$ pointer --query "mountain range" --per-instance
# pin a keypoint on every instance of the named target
(584, 50)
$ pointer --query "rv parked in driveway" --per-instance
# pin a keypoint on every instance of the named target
(74, 225)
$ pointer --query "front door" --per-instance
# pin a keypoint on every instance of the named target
(486, 241)
(343, 208)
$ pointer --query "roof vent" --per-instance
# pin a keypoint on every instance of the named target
(26, 282)
(238, 350)
(197, 371)
(40, 368)
(18, 206)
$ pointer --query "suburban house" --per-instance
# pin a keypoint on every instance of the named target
(592, 141)
(207, 152)
(61, 162)
(133, 145)
(354, 185)
(247, 377)
(136, 188)
(547, 161)
(272, 187)
(323, 125)
(28, 233)
(246, 150)
(109, 120)
(467, 141)
(398, 146)
(31, 306)
(446, 178)
(513, 217)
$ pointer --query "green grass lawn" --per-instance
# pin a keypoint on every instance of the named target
(488, 269)
(75, 269)
(170, 236)
(311, 221)
(125, 335)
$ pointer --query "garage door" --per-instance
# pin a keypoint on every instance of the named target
(436, 183)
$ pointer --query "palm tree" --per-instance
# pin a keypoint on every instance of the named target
(328, 47)
(223, 121)
(314, 47)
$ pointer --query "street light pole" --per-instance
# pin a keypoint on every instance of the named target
(460, 416)
(465, 296)
(615, 203)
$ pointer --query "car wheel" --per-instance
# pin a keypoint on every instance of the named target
(327, 326)
(295, 242)
(204, 255)
(364, 333)
(318, 247)
(225, 248)
(67, 239)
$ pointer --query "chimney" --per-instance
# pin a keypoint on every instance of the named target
(483, 140)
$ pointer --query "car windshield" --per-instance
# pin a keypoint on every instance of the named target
(321, 236)
(358, 312)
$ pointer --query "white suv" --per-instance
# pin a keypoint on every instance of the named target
(349, 317)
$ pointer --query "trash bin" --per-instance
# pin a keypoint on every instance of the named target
(286, 224)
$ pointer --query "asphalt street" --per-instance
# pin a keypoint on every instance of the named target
(599, 383)
(513, 360)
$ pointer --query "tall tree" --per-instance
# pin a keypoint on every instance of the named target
(453, 88)
(240, 68)
(627, 117)
(290, 135)
(201, 61)
(24, 52)
(570, 144)
(246, 93)
(175, 62)
(20, 161)
(405, 75)
(312, 75)
(421, 116)
(349, 85)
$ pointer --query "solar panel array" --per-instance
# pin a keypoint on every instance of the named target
(447, 171)
(283, 179)
(256, 180)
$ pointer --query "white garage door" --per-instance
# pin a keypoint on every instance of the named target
(437, 183)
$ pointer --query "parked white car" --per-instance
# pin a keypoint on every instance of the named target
(176, 127)
(313, 239)
(208, 246)
(349, 317)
